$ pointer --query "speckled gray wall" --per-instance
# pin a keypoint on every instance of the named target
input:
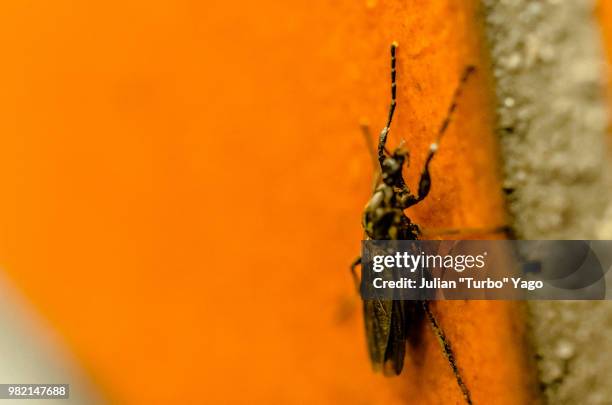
(548, 64)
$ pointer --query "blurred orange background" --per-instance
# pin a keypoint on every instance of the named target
(183, 183)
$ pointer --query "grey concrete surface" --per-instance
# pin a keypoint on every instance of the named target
(548, 64)
(31, 352)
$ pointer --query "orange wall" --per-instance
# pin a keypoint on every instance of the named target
(604, 14)
(182, 186)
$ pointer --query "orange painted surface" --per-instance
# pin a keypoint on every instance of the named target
(604, 14)
(183, 182)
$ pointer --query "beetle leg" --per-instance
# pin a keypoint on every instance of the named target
(365, 129)
(425, 181)
(467, 231)
(354, 265)
(448, 352)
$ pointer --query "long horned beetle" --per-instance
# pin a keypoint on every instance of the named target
(387, 321)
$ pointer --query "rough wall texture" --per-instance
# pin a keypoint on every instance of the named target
(548, 64)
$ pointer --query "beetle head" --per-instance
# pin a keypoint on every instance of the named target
(392, 165)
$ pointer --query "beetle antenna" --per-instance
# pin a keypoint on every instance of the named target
(453, 105)
(383, 134)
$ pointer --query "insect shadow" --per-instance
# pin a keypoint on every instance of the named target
(390, 324)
